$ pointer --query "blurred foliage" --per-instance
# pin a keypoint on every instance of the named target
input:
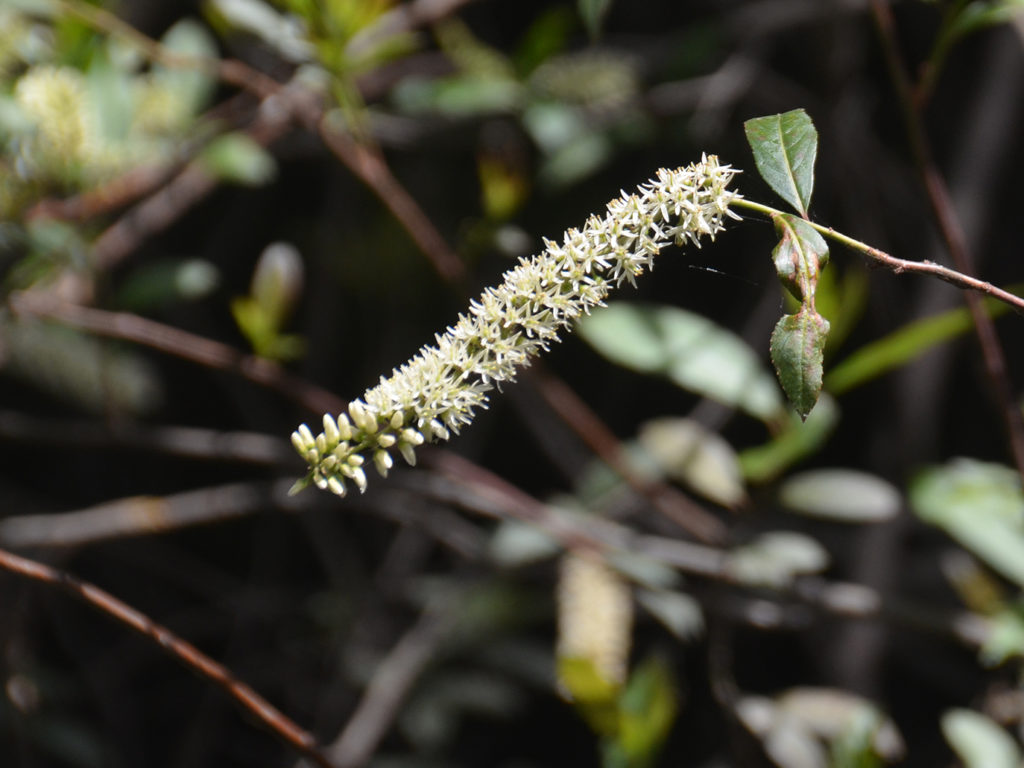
(235, 216)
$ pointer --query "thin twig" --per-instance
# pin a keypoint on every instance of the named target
(138, 515)
(481, 492)
(186, 653)
(189, 442)
(174, 341)
(900, 266)
(952, 233)
(390, 685)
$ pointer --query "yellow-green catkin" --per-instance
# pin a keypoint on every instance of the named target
(595, 616)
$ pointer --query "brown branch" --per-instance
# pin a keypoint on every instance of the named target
(390, 685)
(137, 516)
(951, 276)
(951, 232)
(479, 491)
(186, 653)
(173, 341)
(189, 442)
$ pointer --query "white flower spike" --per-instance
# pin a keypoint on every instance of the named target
(439, 390)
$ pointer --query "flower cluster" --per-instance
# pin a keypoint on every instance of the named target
(438, 391)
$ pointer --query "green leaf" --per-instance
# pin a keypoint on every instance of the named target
(595, 698)
(978, 741)
(797, 348)
(799, 438)
(785, 147)
(193, 86)
(903, 345)
(843, 495)
(1005, 637)
(237, 158)
(981, 506)
(984, 13)
(647, 709)
(690, 350)
(593, 12)
(799, 257)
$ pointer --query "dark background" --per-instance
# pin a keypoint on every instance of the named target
(301, 598)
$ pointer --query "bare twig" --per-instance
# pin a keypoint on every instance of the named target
(478, 491)
(952, 232)
(190, 442)
(390, 685)
(186, 653)
(138, 515)
(173, 341)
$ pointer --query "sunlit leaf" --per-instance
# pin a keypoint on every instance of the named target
(843, 495)
(981, 506)
(690, 350)
(785, 147)
(687, 452)
(978, 741)
(282, 32)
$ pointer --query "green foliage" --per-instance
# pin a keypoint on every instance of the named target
(798, 348)
(785, 147)
(981, 506)
(691, 351)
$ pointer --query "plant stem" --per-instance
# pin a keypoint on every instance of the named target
(899, 266)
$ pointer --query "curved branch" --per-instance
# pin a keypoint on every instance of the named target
(252, 702)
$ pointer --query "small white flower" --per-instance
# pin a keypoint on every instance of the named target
(440, 390)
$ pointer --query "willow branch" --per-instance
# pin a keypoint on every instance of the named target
(186, 653)
(173, 341)
(900, 266)
(952, 232)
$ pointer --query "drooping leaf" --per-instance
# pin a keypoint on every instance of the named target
(981, 506)
(843, 495)
(690, 350)
(785, 147)
(978, 741)
(798, 349)
(799, 257)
